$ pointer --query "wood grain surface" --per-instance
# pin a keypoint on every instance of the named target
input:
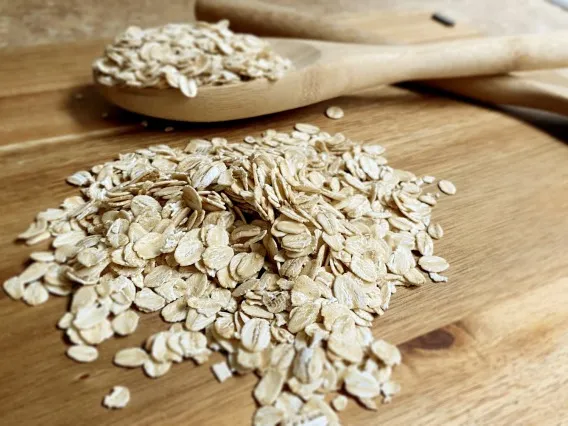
(32, 22)
(489, 347)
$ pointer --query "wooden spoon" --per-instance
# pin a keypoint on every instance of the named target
(324, 70)
(277, 21)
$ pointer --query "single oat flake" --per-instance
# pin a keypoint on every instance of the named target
(118, 397)
(334, 112)
(82, 353)
(222, 371)
(279, 251)
(447, 187)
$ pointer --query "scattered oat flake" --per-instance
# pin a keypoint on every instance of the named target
(222, 371)
(118, 397)
(334, 112)
(339, 403)
(14, 288)
(437, 278)
(83, 353)
(433, 263)
(447, 187)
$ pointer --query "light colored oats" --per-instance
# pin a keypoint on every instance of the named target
(255, 335)
(387, 353)
(349, 292)
(339, 403)
(217, 257)
(130, 357)
(388, 389)
(65, 321)
(447, 187)
(401, 261)
(150, 245)
(148, 301)
(35, 294)
(189, 249)
(175, 311)
(436, 231)
(14, 288)
(437, 278)
(196, 321)
(187, 56)
(310, 129)
(368, 403)
(82, 353)
(414, 277)
(119, 397)
(97, 334)
(125, 323)
(155, 369)
(334, 112)
(342, 338)
(268, 416)
(365, 269)
(269, 387)
(191, 198)
(433, 263)
(424, 244)
(279, 252)
(221, 371)
(256, 311)
(428, 199)
(361, 384)
(42, 256)
(83, 297)
(302, 316)
(34, 272)
(89, 316)
(74, 336)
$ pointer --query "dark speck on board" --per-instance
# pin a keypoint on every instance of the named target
(444, 20)
(84, 376)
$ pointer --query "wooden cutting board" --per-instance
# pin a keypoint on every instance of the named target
(489, 347)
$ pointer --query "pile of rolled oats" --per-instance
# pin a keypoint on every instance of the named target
(186, 56)
(278, 251)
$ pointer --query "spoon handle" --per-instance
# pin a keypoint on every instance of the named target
(476, 57)
(261, 18)
(269, 20)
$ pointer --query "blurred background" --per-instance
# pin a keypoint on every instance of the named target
(28, 22)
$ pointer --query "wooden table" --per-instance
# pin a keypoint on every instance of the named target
(489, 347)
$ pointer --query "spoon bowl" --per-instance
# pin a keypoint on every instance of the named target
(324, 70)
(224, 102)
